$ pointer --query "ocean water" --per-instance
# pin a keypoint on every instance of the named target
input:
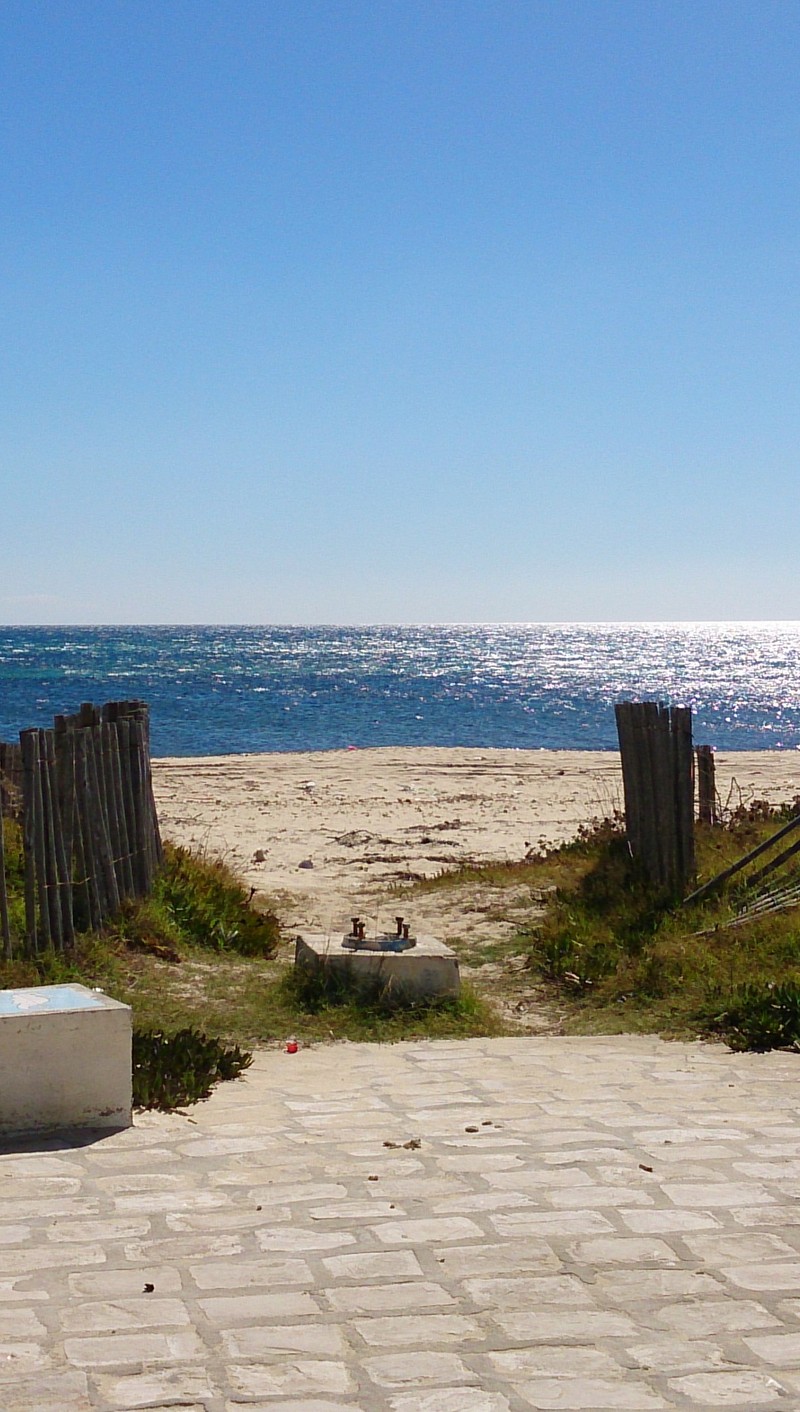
(225, 690)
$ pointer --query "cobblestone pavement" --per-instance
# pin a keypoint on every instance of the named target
(481, 1226)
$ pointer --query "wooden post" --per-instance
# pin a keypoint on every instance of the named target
(65, 784)
(35, 830)
(706, 786)
(50, 901)
(141, 869)
(100, 831)
(683, 780)
(656, 753)
(11, 780)
(83, 813)
(124, 743)
(28, 749)
(62, 858)
(106, 769)
(4, 922)
(126, 870)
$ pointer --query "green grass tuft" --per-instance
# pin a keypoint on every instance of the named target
(206, 905)
(323, 999)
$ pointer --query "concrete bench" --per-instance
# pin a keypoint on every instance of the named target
(428, 971)
(65, 1059)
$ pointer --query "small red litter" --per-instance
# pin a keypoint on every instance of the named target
(292, 1045)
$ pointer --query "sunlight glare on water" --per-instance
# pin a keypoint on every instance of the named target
(219, 690)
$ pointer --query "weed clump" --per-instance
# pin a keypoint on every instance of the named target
(170, 1070)
(762, 1017)
(208, 906)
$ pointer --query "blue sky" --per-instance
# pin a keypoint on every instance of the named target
(399, 312)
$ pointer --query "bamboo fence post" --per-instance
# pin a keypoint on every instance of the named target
(124, 742)
(683, 776)
(137, 801)
(154, 849)
(71, 821)
(37, 828)
(148, 849)
(65, 786)
(100, 829)
(28, 748)
(126, 868)
(94, 895)
(112, 803)
(51, 897)
(651, 780)
(706, 786)
(158, 850)
(63, 858)
(121, 746)
(4, 922)
(39, 846)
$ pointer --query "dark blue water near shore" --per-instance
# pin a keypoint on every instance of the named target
(223, 690)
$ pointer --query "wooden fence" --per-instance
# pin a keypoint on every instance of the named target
(89, 822)
(707, 811)
(658, 780)
(11, 781)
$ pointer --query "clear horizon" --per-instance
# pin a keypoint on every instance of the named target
(403, 314)
(435, 623)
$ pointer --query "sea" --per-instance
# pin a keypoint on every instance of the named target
(527, 686)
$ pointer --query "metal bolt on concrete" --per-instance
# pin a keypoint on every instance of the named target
(603, 1224)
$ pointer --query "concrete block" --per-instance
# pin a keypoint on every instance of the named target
(65, 1060)
(428, 970)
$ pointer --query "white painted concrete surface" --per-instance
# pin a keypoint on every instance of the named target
(65, 1059)
(429, 969)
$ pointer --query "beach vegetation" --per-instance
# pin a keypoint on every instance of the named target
(171, 1070)
(582, 945)
(203, 961)
(606, 953)
(377, 1011)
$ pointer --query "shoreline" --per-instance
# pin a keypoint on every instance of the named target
(601, 750)
(328, 833)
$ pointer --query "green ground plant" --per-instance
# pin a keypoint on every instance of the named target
(197, 956)
(608, 954)
(377, 1011)
(626, 957)
(171, 1070)
(600, 951)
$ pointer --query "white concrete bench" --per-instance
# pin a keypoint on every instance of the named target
(65, 1059)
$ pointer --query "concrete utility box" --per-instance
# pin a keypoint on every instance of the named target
(428, 970)
(65, 1059)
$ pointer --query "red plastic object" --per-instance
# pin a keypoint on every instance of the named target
(291, 1046)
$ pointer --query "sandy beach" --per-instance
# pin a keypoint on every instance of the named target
(333, 833)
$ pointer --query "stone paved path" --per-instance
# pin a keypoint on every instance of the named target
(483, 1226)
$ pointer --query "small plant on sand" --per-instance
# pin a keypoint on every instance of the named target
(210, 907)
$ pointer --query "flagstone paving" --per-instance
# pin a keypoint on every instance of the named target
(480, 1226)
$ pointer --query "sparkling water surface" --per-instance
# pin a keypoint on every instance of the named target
(226, 690)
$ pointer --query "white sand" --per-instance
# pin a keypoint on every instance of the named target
(366, 819)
